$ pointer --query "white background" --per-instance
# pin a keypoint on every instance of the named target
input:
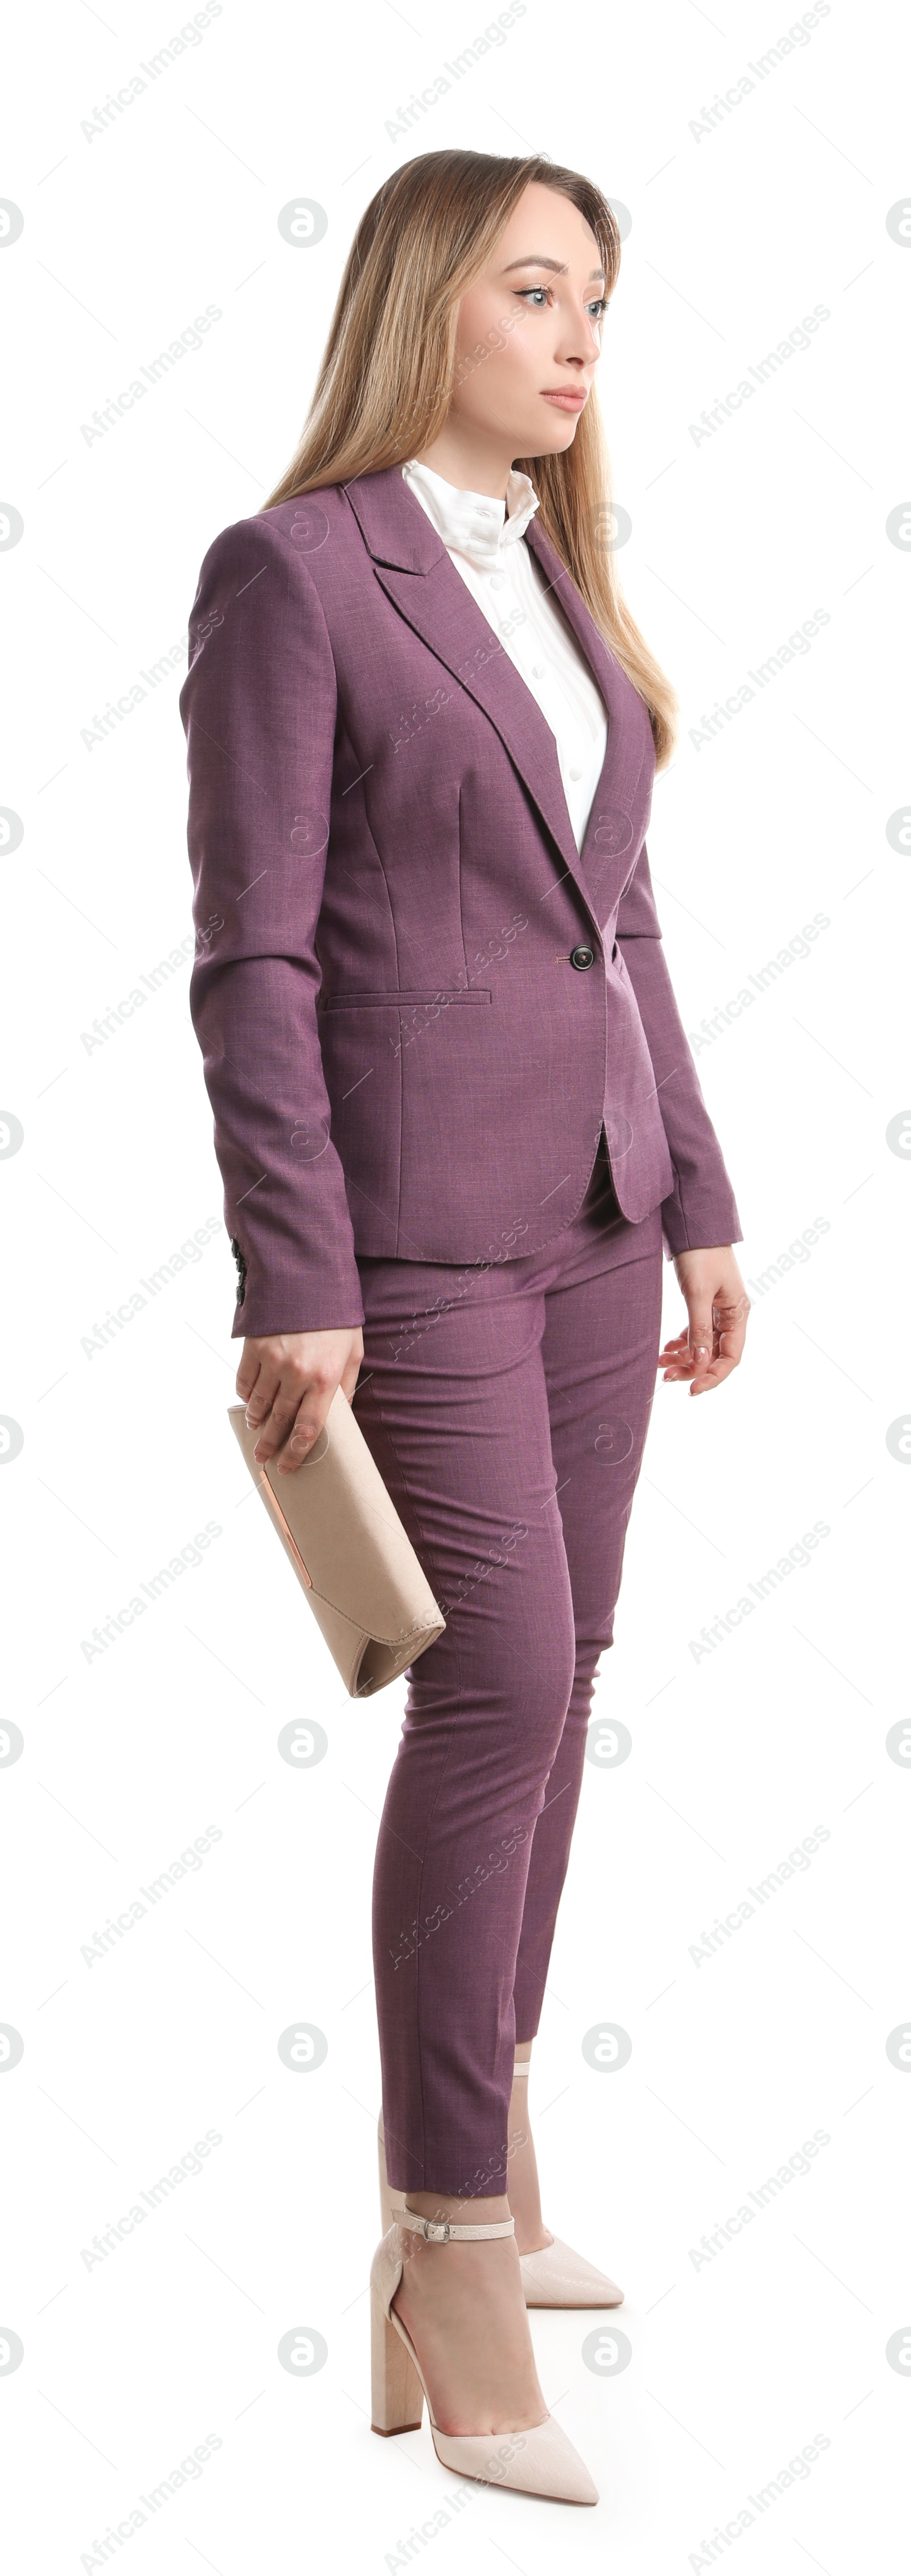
(736, 2059)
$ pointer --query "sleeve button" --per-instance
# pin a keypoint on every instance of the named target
(581, 957)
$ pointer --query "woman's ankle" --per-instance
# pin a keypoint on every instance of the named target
(460, 2212)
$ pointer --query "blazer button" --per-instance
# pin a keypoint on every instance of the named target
(582, 957)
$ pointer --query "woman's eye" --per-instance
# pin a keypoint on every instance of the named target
(539, 295)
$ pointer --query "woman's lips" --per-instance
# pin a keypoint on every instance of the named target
(565, 400)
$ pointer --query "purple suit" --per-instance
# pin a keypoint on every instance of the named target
(398, 939)
(388, 899)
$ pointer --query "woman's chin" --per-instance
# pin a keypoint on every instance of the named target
(551, 435)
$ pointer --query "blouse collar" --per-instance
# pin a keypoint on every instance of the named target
(472, 522)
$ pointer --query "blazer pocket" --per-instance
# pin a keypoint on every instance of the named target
(399, 999)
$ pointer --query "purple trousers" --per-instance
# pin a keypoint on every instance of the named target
(506, 1408)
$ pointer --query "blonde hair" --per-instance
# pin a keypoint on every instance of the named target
(388, 371)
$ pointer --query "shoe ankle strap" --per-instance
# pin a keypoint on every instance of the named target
(439, 2231)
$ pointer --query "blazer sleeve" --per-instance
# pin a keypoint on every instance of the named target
(702, 1209)
(259, 710)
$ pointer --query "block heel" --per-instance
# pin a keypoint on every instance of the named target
(397, 2398)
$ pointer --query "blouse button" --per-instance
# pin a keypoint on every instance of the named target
(497, 580)
(575, 773)
(537, 670)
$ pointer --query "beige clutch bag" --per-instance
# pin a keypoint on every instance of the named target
(343, 1536)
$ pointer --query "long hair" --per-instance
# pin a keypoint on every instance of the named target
(389, 370)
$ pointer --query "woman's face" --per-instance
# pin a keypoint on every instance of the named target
(529, 335)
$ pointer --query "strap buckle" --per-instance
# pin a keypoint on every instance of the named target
(437, 2231)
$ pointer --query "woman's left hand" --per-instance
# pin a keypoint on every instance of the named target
(717, 1305)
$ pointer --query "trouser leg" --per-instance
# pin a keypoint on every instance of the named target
(507, 1413)
(599, 1349)
(453, 1403)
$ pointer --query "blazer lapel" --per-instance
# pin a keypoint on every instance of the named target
(622, 801)
(414, 569)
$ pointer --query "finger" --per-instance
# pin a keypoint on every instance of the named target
(674, 1348)
(677, 1360)
(714, 1375)
(721, 1366)
(297, 1449)
(281, 1417)
(260, 1402)
(730, 1326)
(700, 1340)
(308, 1424)
(247, 1373)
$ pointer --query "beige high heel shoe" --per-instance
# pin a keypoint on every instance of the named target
(553, 2277)
(538, 2461)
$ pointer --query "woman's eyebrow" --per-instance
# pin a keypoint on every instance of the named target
(558, 266)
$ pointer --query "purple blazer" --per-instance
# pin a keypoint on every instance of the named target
(417, 1000)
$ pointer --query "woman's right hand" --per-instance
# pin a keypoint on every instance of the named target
(288, 1381)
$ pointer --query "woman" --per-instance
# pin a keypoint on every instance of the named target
(455, 1111)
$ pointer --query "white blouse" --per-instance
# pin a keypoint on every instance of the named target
(481, 537)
